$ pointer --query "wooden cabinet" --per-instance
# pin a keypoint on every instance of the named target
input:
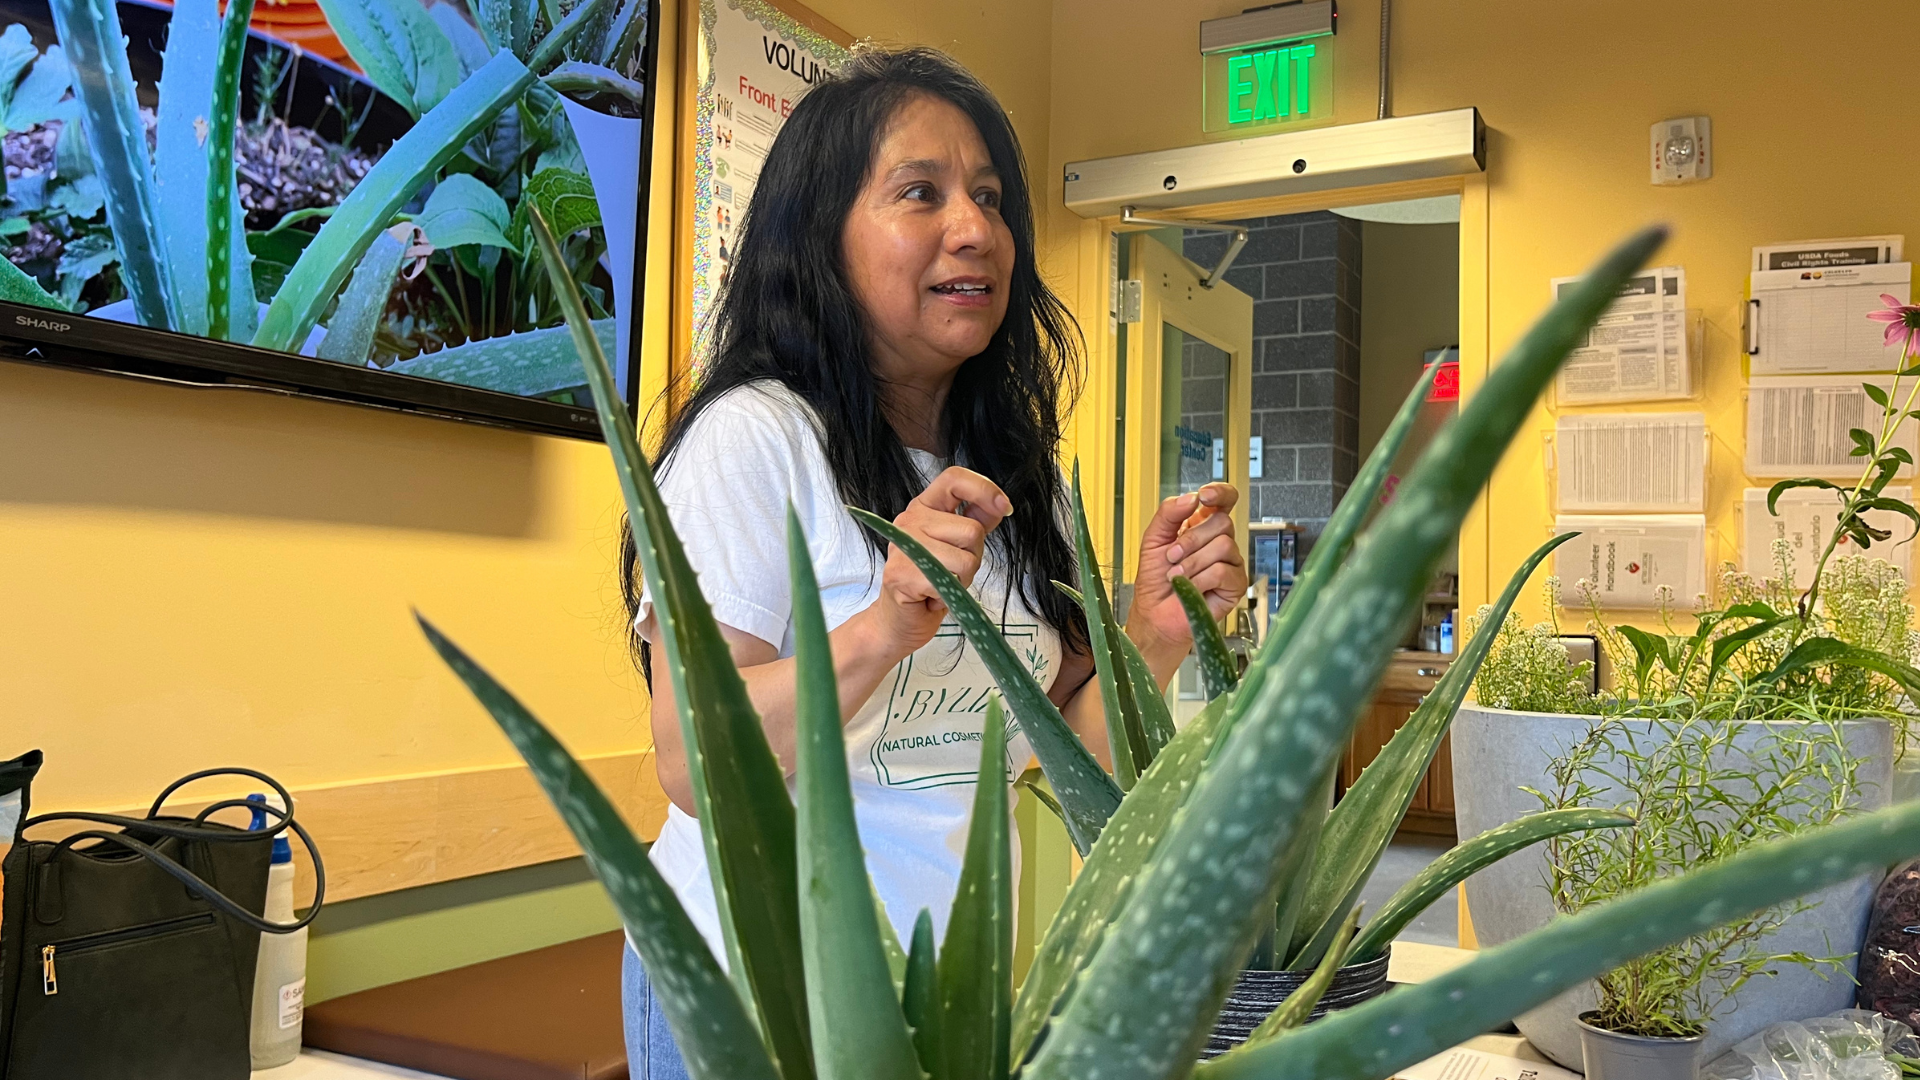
(1409, 678)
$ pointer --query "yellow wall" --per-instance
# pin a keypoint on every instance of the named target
(1812, 128)
(192, 577)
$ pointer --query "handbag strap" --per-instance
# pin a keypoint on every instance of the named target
(199, 832)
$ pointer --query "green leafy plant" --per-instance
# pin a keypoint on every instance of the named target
(810, 960)
(1526, 667)
(1699, 792)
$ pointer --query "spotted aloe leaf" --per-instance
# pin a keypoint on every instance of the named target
(975, 995)
(1142, 1011)
(1218, 672)
(1126, 732)
(1459, 863)
(1360, 827)
(1079, 926)
(859, 1030)
(1087, 794)
(739, 789)
(715, 1036)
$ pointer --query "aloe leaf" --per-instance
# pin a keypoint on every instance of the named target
(1298, 1006)
(564, 31)
(400, 47)
(1143, 1011)
(1467, 857)
(19, 287)
(578, 80)
(713, 1031)
(1337, 536)
(1096, 893)
(1155, 716)
(532, 363)
(918, 995)
(1084, 789)
(858, 1028)
(1303, 858)
(1126, 736)
(218, 220)
(1360, 828)
(180, 174)
(738, 787)
(96, 49)
(1218, 672)
(357, 316)
(398, 176)
(1413, 1023)
(976, 958)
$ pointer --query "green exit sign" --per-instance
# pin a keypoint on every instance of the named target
(1269, 87)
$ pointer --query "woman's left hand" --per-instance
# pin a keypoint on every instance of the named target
(1190, 536)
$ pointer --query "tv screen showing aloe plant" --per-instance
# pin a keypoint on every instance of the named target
(331, 196)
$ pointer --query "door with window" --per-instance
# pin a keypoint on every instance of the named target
(1189, 375)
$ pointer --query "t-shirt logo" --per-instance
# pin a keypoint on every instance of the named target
(937, 705)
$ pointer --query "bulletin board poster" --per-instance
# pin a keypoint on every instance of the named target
(756, 62)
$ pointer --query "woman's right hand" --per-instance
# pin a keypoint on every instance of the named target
(952, 518)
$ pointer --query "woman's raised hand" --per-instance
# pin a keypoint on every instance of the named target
(952, 517)
(1190, 536)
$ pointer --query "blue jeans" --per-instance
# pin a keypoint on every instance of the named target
(651, 1053)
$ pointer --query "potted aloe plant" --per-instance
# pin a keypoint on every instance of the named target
(1781, 710)
(1311, 942)
(818, 987)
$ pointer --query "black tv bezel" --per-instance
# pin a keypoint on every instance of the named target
(49, 338)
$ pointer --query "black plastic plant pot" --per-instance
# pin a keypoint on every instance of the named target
(1614, 1055)
(1257, 993)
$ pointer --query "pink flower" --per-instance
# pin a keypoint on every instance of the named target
(1903, 321)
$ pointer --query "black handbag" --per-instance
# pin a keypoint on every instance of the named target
(127, 950)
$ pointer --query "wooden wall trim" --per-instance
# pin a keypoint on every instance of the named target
(377, 836)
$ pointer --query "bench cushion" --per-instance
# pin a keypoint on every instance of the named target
(549, 1014)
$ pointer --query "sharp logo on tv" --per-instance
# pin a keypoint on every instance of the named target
(311, 195)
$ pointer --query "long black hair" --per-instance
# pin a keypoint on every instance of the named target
(788, 314)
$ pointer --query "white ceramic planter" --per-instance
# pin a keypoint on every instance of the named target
(1497, 752)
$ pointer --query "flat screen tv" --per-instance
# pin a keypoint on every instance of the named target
(328, 197)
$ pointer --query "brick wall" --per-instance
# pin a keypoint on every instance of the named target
(1303, 272)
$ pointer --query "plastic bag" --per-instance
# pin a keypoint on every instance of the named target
(1890, 956)
(1849, 1045)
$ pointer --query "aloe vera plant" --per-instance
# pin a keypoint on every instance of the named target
(1130, 972)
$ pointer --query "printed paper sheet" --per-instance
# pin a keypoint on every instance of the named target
(1630, 557)
(1800, 427)
(1804, 519)
(1638, 349)
(1642, 462)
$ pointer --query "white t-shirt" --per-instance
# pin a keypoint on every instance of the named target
(913, 748)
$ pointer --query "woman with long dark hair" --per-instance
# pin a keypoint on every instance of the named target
(885, 340)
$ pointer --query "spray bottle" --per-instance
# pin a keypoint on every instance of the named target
(280, 976)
